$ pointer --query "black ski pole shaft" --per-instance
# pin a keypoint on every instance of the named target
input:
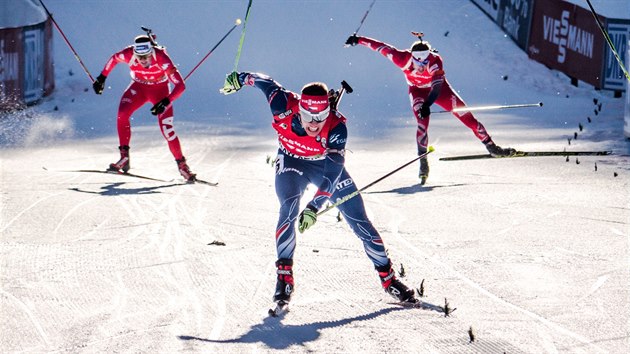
(487, 108)
(238, 22)
(67, 42)
(357, 192)
(365, 16)
(608, 40)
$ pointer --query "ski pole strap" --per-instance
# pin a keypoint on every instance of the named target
(357, 192)
(240, 43)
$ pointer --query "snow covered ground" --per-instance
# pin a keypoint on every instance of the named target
(533, 252)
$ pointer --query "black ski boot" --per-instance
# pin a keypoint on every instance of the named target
(284, 283)
(395, 287)
(497, 151)
(424, 170)
(123, 165)
(184, 170)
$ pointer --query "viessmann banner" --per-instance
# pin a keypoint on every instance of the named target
(565, 37)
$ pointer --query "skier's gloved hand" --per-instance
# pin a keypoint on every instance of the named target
(352, 40)
(160, 107)
(231, 84)
(308, 217)
(425, 110)
(99, 84)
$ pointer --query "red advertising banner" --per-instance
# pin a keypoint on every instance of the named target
(11, 68)
(26, 65)
(565, 37)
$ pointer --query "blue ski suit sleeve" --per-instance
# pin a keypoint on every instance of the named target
(275, 93)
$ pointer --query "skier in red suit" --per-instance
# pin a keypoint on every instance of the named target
(424, 72)
(151, 71)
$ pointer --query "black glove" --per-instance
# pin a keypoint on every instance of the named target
(99, 84)
(160, 106)
(425, 110)
(352, 40)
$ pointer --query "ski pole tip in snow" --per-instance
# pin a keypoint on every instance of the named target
(431, 148)
(540, 104)
(238, 21)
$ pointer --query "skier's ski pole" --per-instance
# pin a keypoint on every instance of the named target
(364, 16)
(240, 43)
(67, 42)
(354, 194)
(487, 108)
(608, 40)
(238, 22)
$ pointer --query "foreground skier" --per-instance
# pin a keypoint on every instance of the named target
(151, 70)
(312, 140)
(425, 76)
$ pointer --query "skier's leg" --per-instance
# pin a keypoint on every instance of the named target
(354, 213)
(290, 185)
(417, 97)
(167, 128)
(449, 100)
(131, 100)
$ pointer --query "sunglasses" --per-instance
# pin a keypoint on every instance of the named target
(308, 116)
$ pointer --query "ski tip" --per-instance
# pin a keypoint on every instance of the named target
(431, 148)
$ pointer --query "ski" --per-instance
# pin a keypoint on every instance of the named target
(213, 184)
(281, 308)
(528, 154)
(119, 173)
(419, 304)
(122, 174)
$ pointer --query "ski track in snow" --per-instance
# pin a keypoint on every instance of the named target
(497, 299)
(34, 321)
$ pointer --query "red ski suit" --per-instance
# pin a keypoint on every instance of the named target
(148, 85)
(421, 80)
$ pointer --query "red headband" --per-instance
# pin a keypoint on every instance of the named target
(314, 104)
